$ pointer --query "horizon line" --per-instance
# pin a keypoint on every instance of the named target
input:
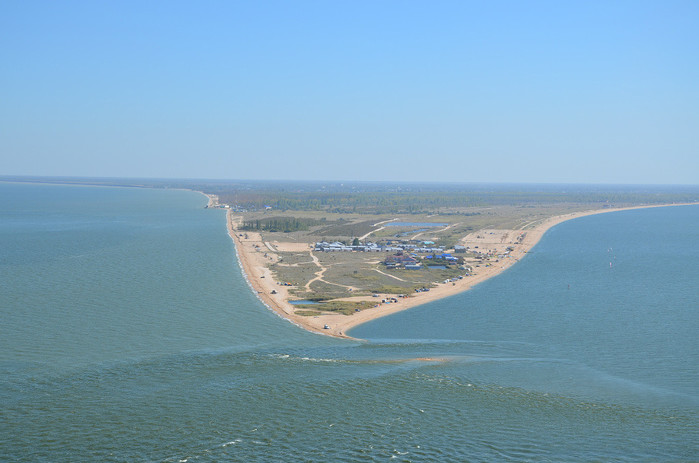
(69, 178)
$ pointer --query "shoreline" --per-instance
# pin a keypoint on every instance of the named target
(253, 254)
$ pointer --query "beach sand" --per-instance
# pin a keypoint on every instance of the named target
(254, 256)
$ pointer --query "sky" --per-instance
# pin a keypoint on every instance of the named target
(455, 91)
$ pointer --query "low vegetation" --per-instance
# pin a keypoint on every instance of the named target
(343, 307)
(279, 224)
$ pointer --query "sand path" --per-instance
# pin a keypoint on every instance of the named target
(437, 231)
(388, 275)
(319, 276)
(365, 236)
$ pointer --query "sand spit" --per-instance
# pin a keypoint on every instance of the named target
(254, 256)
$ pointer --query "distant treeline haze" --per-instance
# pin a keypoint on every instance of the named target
(383, 202)
(405, 198)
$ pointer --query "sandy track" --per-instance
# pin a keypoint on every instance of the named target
(388, 275)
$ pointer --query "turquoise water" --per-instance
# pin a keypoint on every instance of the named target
(129, 334)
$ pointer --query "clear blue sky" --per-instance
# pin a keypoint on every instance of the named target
(481, 91)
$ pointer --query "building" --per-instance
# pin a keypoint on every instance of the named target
(397, 260)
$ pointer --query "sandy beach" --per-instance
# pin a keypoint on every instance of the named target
(254, 255)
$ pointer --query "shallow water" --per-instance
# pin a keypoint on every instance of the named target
(129, 334)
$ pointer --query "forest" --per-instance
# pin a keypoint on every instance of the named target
(439, 198)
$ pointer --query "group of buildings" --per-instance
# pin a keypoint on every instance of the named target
(404, 254)
(426, 247)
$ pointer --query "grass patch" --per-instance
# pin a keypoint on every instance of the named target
(297, 276)
(290, 258)
(308, 313)
(328, 291)
(301, 293)
(389, 289)
(343, 307)
(364, 276)
(346, 229)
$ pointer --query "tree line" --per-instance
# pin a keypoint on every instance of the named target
(279, 224)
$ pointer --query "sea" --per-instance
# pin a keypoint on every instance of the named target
(129, 333)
